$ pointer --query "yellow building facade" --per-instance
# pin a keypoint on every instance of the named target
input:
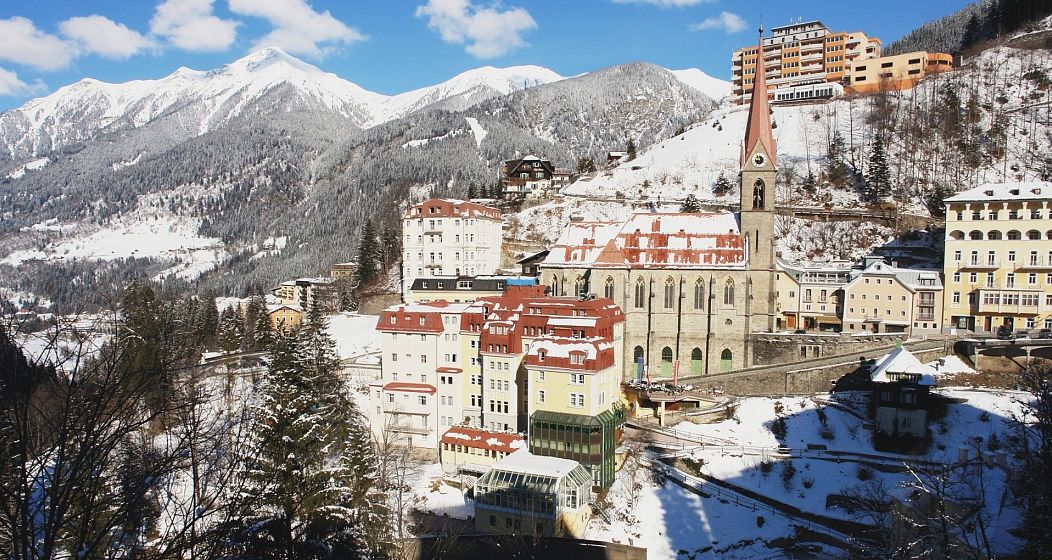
(896, 72)
(998, 257)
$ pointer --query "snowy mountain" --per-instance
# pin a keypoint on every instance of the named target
(715, 88)
(194, 101)
(466, 89)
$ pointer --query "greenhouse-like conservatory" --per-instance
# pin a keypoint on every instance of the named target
(527, 494)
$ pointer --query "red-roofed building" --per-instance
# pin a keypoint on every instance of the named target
(474, 450)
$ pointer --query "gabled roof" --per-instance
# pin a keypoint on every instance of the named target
(901, 361)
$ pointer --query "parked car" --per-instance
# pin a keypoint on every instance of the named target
(1043, 333)
(1004, 332)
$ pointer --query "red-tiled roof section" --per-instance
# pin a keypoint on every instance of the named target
(759, 129)
(451, 208)
(483, 439)
(407, 387)
(423, 318)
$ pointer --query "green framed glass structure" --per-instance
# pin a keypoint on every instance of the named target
(589, 440)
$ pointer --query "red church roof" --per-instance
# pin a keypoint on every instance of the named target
(759, 130)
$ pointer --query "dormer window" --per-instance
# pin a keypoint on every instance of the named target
(540, 355)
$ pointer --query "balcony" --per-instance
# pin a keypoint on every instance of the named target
(979, 264)
(1035, 264)
(1010, 300)
(924, 317)
(433, 264)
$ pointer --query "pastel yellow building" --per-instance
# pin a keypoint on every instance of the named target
(998, 257)
(882, 298)
(895, 72)
(284, 317)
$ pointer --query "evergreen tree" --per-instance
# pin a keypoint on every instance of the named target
(472, 191)
(878, 180)
(631, 150)
(586, 165)
(722, 186)
(208, 318)
(837, 172)
(255, 310)
(262, 334)
(973, 31)
(810, 184)
(306, 500)
(390, 247)
(690, 204)
(368, 253)
(231, 329)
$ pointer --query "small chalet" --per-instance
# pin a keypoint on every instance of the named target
(613, 158)
(529, 177)
(901, 388)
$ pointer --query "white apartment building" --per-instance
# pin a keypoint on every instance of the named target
(421, 390)
(448, 237)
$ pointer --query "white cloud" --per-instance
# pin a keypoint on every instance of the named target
(666, 3)
(298, 28)
(22, 43)
(488, 31)
(727, 21)
(105, 37)
(11, 85)
(190, 25)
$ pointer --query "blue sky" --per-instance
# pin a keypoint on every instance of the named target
(391, 46)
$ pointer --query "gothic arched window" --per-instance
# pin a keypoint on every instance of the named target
(608, 288)
(758, 189)
(699, 294)
(670, 293)
(640, 294)
(728, 292)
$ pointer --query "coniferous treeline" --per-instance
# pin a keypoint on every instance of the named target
(972, 25)
(141, 451)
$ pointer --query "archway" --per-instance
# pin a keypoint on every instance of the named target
(725, 359)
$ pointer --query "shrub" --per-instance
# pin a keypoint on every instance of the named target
(765, 467)
(827, 433)
(788, 472)
(760, 521)
(807, 481)
(821, 412)
(778, 407)
(864, 473)
(779, 428)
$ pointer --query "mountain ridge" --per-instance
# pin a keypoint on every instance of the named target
(203, 99)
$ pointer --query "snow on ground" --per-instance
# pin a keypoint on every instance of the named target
(477, 130)
(354, 334)
(21, 299)
(971, 422)
(431, 495)
(672, 522)
(715, 88)
(800, 240)
(546, 222)
(950, 365)
(30, 166)
(61, 348)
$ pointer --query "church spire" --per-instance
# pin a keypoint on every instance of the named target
(758, 130)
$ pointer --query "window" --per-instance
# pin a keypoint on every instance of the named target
(670, 293)
(640, 293)
(390, 397)
(728, 292)
(576, 400)
(699, 294)
(540, 376)
(577, 358)
(957, 297)
(758, 189)
(540, 396)
(608, 288)
(423, 358)
(637, 354)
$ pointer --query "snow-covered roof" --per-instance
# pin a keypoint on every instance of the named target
(276, 306)
(1034, 190)
(653, 240)
(901, 362)
(913, 278)
(522, 461)
(438, 306)
(483, 439)
(562, 347)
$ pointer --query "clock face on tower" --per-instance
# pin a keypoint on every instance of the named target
(759, 160)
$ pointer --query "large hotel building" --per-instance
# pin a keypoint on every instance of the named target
(804, 59)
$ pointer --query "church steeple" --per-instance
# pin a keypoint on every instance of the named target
(758, 132)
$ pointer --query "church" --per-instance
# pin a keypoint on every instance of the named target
(693, 287)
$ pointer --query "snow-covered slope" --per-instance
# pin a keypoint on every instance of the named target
(466, 89)
(197, 100)
(715, 88)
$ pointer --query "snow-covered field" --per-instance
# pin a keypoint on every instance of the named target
(355, 334)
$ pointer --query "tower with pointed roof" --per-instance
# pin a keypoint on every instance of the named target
(759, 156)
